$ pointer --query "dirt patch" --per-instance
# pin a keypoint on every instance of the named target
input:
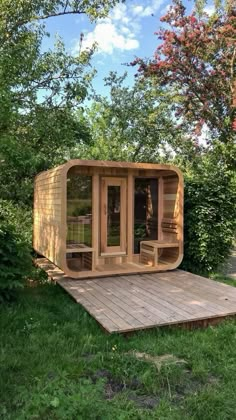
(144, 401)
(192, 385)
(133, 388)
(113, 385)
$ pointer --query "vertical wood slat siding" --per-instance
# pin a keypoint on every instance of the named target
(47, 214)
(170, 206)
(50, 205)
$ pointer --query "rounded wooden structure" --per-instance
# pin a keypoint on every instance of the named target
(100, 218)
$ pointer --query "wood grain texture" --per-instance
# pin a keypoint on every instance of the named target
(50, 216)
(47, 215)
(128, 303)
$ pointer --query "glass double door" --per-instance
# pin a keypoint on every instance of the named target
(113, 216)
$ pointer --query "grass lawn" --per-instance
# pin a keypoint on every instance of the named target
(56, 363)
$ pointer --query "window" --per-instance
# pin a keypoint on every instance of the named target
(145, 211)
(79, 209)
(113, 217)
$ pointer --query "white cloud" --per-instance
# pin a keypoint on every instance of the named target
(120, 30)
(126, 31)
(119, 12)
(151, 7)
(209, 10)
(141, 11)
(109, 38)
(137, 10)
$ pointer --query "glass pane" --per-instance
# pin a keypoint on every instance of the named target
(145, 211)
(79, 209)
(113, 215)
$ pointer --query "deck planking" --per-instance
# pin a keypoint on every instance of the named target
(133, 302)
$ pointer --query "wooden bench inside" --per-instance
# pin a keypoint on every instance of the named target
(149, 250)
(82, 256)
(76, 247)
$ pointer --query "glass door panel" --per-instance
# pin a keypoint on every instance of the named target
(113, 215)
(145, 211)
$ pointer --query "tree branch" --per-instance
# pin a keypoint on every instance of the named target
(43, 17)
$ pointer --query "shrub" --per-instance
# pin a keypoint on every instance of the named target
(19, 217)
(15, 258)
(210, 217)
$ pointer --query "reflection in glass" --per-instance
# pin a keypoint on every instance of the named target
(145, 211)
(113, 215)
(79, 209)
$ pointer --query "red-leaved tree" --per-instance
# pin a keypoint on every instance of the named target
(197, 60)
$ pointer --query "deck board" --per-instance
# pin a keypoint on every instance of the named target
(194, 297)
(132, 302)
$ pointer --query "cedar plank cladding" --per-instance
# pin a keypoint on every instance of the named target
(48, 214)
(52, 226)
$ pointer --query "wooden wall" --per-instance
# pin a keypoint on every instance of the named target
(50, 209)
(48, 215)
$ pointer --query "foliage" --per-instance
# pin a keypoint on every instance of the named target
(77, 363)
(19, 217)
(195, 64)
(135, 124)
(15, 258)
(58, 75)
(196, 56)
(38, 91)
(35, 142)
(39, 127)
(218, 6)
(37, 97)
(19, 13)
(210, 215)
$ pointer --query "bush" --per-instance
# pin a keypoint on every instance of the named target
(15, 257)
(19, 217)
(210, 217)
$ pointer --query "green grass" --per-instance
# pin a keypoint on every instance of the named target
(56, 363)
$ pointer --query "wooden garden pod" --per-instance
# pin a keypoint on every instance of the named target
(100, 218)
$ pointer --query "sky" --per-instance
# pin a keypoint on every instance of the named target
(128, 32)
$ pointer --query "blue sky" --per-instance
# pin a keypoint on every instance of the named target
(127, 32)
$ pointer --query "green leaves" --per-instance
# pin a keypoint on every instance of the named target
(55, 402)
(15, 258)
(197, 57)
(210, 215)
(134, 125)
(39, 91)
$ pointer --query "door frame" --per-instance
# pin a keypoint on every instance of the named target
(121, 249)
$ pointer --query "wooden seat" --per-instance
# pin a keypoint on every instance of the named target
(77, 247)
(149, 250)
(86, 259)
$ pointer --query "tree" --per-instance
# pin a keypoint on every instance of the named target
(217, 6)
(135, 124)
(197, 60)
(195, 64)
(56, 72)
(39, 91)
(38, 128)
(210, 214)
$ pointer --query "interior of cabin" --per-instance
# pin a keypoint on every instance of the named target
(123, 219)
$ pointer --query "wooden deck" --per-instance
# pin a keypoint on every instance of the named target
(134, 302)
